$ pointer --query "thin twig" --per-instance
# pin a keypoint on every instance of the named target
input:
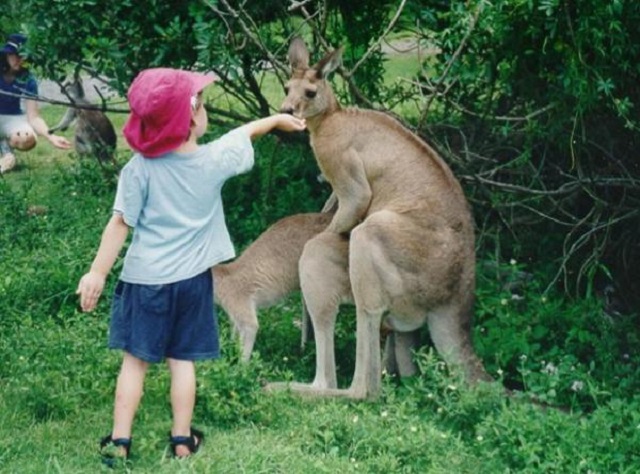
(295, 5)
(250, 34)
(501, 118)
(582, 240)
(377, 42)
(564, 189)
(449, 65)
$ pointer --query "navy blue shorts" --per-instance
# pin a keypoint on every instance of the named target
(175, 320)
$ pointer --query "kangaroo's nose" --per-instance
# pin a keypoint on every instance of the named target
(286, 110)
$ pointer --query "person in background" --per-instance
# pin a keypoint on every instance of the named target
(169, 194)
(19, 130)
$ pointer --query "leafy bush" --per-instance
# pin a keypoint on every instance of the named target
(564, 352)
(533, 104)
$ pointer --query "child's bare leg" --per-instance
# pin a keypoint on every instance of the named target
(183, 398)
(128, 395)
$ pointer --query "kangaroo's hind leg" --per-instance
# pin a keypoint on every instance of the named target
(398, 353)
(409, 267)
(324, 280)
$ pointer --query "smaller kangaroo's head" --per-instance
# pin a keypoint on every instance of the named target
(308, 92)
(73, 89)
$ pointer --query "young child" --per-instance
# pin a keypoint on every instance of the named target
(169, 194)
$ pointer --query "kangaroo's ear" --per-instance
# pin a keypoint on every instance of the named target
(329, 63)
(298, 54)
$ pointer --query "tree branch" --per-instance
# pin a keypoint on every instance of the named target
(39, 98)
(377, 42)
(452, 60)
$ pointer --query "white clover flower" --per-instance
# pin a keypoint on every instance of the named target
(504, 301)
(355, 419)
(543, 299)
(384, 414)
(479, 438)
(550, 369)
(499, 372)
(452, 387)
(413, 429)
(577, 386)
(512, 261)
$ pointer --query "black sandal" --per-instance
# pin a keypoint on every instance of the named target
(193, 442)
(111, 450)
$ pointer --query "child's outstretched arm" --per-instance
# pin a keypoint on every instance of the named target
(92, 283)
(284, 122)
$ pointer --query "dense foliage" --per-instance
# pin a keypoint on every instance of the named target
(543, 104)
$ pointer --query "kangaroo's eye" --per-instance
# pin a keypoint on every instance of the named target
(310, 94)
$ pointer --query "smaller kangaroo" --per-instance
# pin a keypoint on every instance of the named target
(94, 132)
(265, 273)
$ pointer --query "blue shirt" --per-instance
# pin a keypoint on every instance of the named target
(174, 205)
(24, 84)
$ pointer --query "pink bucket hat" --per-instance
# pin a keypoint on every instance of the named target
(161, 101)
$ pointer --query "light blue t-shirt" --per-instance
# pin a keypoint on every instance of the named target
(174, 206)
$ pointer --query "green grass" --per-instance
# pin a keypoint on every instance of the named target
(57, 376)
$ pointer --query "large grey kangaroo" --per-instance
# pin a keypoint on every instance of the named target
(410, 258)
(94, 132)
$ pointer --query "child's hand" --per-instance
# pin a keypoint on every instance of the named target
(284, 122)
(289, 123)
(90, 288)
